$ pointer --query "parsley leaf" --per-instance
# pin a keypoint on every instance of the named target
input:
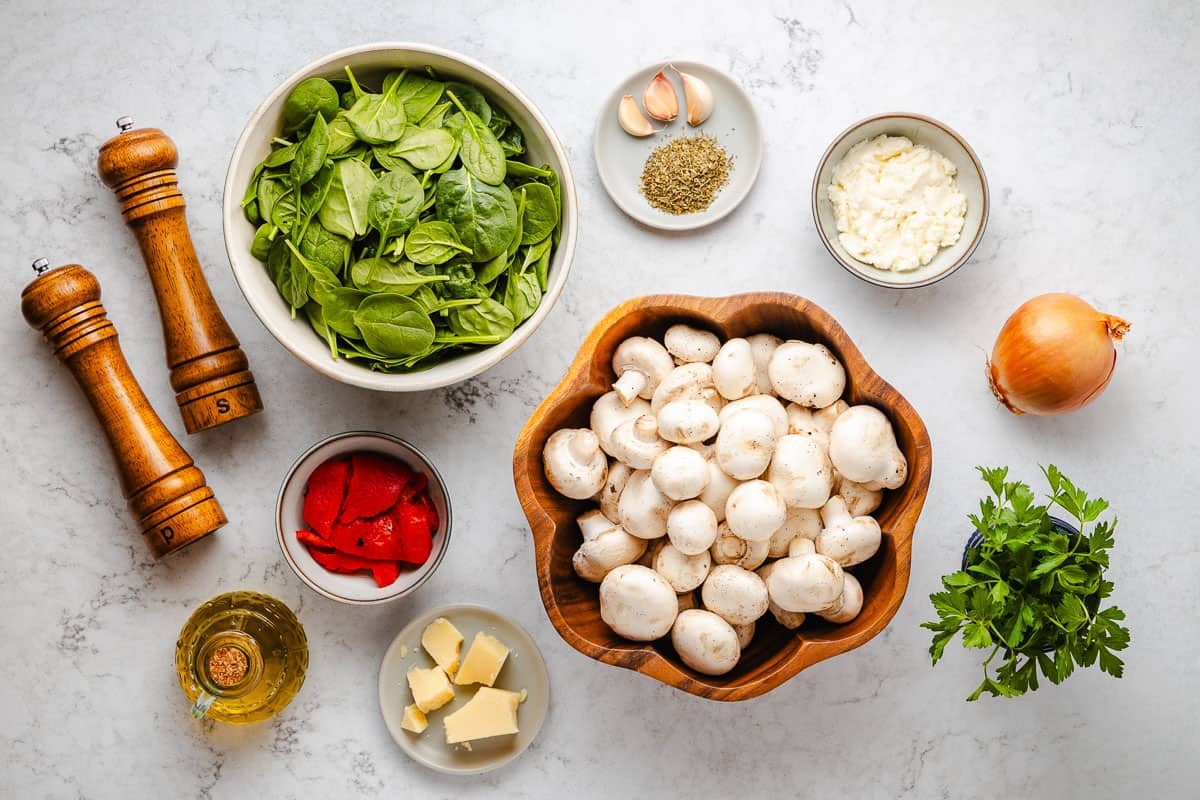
(1032, 591)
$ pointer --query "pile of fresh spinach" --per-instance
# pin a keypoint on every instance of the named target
(401, 222)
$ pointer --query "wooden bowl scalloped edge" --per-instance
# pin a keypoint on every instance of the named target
(589, 375)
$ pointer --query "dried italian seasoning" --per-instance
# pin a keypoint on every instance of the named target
(684, 175)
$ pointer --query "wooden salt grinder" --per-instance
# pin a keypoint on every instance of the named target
(167, 494)
(209, 372)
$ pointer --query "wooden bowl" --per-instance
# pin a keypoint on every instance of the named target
(776, 654)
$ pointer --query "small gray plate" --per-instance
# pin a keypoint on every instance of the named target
(524, 669)
(620, 157)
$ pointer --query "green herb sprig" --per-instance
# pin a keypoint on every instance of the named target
(1031, 592)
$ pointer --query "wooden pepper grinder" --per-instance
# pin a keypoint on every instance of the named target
(209, 372)
(167, 494)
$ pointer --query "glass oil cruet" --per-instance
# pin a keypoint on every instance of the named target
(241, 658)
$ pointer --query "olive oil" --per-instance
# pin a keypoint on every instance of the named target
(241, 658)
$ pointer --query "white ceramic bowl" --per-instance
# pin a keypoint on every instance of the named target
(369, 61)
(971, 182)
(524, 669)
(359, 589)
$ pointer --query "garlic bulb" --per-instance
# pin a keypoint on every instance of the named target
(632, 119)
(660, 99)
(697, 95)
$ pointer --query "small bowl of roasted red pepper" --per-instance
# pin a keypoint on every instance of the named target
(363, 517)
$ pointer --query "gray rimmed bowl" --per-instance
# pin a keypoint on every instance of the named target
(357, 589)
(370, 62)
(971, 181)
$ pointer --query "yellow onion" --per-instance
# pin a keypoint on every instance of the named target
(1054, 354)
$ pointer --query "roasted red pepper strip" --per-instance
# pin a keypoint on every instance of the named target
(309, 538)
(384, 572)
(376, 482)
(324, 494)
(415, 534)
(375, 538)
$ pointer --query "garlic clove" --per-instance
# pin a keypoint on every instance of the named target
(632, 119)
(660, 99)
(697, 95)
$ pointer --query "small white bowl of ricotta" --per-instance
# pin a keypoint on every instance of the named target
(900, 200)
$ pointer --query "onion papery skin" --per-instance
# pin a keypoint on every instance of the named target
(1054, 355)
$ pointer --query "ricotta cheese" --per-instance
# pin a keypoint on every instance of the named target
(895, 203)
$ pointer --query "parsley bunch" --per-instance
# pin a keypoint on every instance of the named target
(1032, 592)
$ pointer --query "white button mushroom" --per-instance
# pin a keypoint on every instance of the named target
(687, 382)
(593, 523)
(800, 471)
(800, 523)
(847, 540)
(745, 443)
(848, 604)
(765, 403)
(687, 421)
(691, 345)
(640, 363)
(745, 634)
(637, 603)
(705, 642)
(574, 463)
(755, 510)
(720, 486)
(609, 412)
(807, 374)
(762, 347)
(801, 547)
(729, 548)
(610, 493)
(788, 619)
(862, 446)
(637, 442)
(606, 551)
(692, 527)
(683, 572)
(801, 422)
(643, 509)
(859, 499)
(737, 595)
(806, 582)
(825, 417)
(733, 370)
(680, 473)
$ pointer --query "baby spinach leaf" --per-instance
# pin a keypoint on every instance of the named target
(325, 247)
(433, 242)
(311, 98)
(292, 280)
(471, 98)
(484, 216)
(382, 275)
(541, 213)
(382, 155)
(394, 203)
(264, 237)
(269, 191)
(424, 148)
(310, 155)
(512, 142)
(341, 135)
(490, 270)
(319, 273)
(281, 156)
(522, 295)
(393, 326)
(499, 122)
(316, 318)
(377, 118)
(284, 210)
(419, 94)
(479, 151)
(338, 307)
(486, 318)
(345, 208)
(521, 170)
(436, 116)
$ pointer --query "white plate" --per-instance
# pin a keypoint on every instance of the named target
(621, 157)
(524, 669)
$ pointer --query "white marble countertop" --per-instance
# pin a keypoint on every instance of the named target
(1086, 121)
